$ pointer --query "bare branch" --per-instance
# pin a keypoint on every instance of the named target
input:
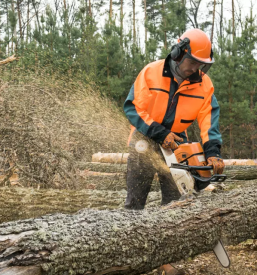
(8, 60)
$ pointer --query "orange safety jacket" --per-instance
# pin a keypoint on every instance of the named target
(156, 106)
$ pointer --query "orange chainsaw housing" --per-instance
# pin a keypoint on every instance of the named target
(193, 154)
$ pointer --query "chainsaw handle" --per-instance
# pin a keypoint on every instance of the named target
(189, 167)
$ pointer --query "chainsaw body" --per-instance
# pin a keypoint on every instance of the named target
(188, 167)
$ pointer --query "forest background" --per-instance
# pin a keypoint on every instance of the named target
(108, 42)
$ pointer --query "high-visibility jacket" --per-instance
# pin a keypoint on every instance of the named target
(156, 106)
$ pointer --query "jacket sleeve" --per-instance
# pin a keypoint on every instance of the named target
(135, 108)
(208, 121)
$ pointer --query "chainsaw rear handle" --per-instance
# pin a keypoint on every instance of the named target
(190, 167)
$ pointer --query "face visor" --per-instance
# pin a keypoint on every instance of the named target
(205, 64)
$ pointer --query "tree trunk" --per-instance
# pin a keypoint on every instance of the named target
(19, 17)
(36, 12)
(231, 137)
(145, 21)
(164, 25)
(131, 242)
(134, 21)
(233, 20)
(110, 11)
(213, 20)
(27, 27)
(89, 8)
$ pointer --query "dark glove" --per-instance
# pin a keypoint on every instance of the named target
(169, 141)
(217, 164)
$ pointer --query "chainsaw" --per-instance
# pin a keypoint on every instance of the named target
(188, 167)
(191, 173)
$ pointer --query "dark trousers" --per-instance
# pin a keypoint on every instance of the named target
(140, 173)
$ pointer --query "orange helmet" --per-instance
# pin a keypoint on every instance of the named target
(200, 45)
(193, 44)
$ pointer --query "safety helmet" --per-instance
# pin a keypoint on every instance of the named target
(196, 45)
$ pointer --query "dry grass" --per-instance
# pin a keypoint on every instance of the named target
(49, 123)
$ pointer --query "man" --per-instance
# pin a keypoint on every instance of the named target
(167, 96)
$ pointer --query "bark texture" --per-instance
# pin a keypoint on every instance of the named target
(129, 242)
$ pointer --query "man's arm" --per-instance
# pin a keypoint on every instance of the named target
(208, 120)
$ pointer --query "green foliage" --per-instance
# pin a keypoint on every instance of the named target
(73, 43)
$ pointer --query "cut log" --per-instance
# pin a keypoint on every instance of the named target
(122, 158)
(117, 181)
(129, 242)
(242, 174)
(22, 203)
(110, 157)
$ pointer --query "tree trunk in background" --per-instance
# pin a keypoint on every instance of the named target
(145, 20)
(8, 31)
(37, 16)
(164, 25)
(121, 23)
(19, 17)
(14, 34)
(213, 20)
(134, 21)
(231, 137)
(253, 133)
(110, 10)
(132, 242)
(233, 20)
(28, 24)
(89, 8)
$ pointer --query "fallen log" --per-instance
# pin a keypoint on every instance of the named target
(8, 60)
(121, 158)
(18, 203)
(128, 242)
(242, 174)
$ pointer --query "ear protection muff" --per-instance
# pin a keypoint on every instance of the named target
(178, 49)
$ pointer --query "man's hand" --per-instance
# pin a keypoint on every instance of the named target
(217, 164)
(169, 141)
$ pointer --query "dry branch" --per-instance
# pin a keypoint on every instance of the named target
(99, 242)
(8, 60)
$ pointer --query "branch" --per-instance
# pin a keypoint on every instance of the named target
(8, 60)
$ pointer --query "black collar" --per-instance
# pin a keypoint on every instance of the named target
(166, 69)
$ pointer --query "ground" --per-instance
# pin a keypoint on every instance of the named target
(243, 259)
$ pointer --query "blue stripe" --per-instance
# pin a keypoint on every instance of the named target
(132, 115)
(214, 132)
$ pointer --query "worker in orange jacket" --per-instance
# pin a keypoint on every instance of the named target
(167, 96)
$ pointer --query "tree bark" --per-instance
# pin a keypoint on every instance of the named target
(131, 242)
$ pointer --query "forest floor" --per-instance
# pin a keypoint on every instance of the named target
(243, 260)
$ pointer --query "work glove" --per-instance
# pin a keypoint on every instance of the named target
(217, 164)
(169, 141)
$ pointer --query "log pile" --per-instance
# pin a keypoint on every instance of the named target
(128, 242)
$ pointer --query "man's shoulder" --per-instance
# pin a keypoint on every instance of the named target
(156, 63)
(155, 66)
(207, 80)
